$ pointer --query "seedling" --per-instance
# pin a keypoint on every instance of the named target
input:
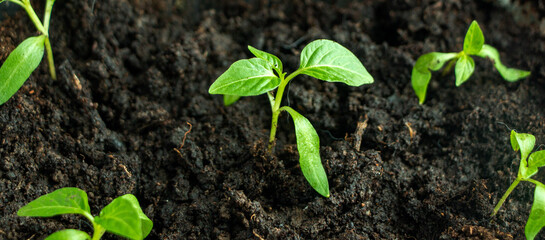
(323, 59)
(27, 56)
(529, 164)
(123, 216)
(473, 45)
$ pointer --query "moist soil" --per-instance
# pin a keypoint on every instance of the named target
(133, 87)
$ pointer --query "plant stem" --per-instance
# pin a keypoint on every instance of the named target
(50, 60)
(98, 231)
(34, 17)
(276, 107)
(505, 195)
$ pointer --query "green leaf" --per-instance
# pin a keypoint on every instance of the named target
(421, 75)
(248, 77)
(463, 69)
(536, 220)
(60, 201)
(19, 65)
(537, 159)
(509, 74)
(308, 145)
(329, 61)
(69, 234)
(272, 59)
(230, 99)
(525, 142)
(474, 40)
(124, 217)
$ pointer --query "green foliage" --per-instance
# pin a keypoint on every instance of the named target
(123, 216)
(465, 65)
(308, 145)
(19, 65)
(71, 234)
(323, 59)
(529, 164)
(28, 55)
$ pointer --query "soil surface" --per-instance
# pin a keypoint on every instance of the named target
(133, 84)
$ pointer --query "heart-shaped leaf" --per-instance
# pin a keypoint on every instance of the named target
(60, 201)
(329, 61)
(248, 77)
(124, 217)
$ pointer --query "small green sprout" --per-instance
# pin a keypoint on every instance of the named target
(323, 59)
(529, 164)
(473, 45)
(123, 216)
(27, 56)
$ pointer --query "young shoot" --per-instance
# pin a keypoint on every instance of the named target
(473, 45)
(529, 164)
(123, 216)
(322, 59)
(27, 56)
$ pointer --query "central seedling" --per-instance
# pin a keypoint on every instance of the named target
(323, 59)
(529, 164)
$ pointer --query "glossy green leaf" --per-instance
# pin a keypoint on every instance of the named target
(329, 61)
(248, 77)
(308, 145)
(124, 217)
(474, 40)
(463, 69)
(60, 201)
(19, 65)
(272, 59)
(69, 234)
(525, 143)
(537, 159)
(509, 74)
(230, 99)
(421, 75)
(536, 220)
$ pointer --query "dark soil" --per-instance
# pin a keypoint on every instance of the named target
(134, 78)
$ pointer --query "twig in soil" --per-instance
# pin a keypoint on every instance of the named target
(183, 140)
(412, 132)
(360, 130)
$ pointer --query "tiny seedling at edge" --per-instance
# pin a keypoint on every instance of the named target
(27, 56)
(473, 45)
(123, 216)
(322, 59)
(529, 164)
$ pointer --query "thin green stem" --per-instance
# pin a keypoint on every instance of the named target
(98, 231)
(532, 181)
(34, 17)
(505, 195)
(50, 60)
(47, 14)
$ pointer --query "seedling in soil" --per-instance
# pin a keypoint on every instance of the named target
(123, 216)
(27, 56)
(323, 59)
(473, 45)
(529, 164)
